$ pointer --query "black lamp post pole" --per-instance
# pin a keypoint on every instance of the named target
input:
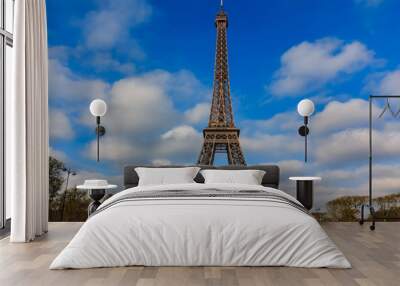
(305, 138)
(98, 137)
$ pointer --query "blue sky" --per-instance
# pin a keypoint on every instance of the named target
(152, 61)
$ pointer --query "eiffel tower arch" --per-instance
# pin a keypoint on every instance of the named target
(221, 135)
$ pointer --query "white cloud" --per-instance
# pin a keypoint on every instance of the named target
(59, 125)
(266, 147)
(145, 104)
(348, 145)
(143, 123)
(291, 168)
(181, 144)
(352, 146)
(112, 148)
(341, 115)
(107, 37)
(140, 105)
(105, 62)
(280, 122)
(198, 114)
(65, 85)
(100, 61)
(309, 65)
(179, 133)
(112, 22)
(387, 83)
(335, 116)
(182, 86)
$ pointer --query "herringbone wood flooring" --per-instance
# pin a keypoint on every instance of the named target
(375, 257)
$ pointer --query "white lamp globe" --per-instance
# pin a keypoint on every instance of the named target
(98, 107)
(305, 107)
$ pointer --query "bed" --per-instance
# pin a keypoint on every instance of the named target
(199, 224)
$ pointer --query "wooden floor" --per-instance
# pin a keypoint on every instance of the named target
(375, 257)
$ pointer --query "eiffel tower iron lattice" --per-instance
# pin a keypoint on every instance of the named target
(221, 135)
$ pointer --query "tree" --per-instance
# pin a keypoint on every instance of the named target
(388, 207)
(56, 178)
(65, 205)
(346, 208)
(76, 205)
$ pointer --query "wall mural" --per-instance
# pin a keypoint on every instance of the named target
(152, 62)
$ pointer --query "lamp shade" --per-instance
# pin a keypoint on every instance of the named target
(98, 107)
(305, 107)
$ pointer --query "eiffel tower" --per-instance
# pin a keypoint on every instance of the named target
(221, 135)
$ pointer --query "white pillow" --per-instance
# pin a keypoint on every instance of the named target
(248, 177)
(165, 176)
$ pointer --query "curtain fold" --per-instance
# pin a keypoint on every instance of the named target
(28, 122)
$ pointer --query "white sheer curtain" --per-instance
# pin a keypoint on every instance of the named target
(27, 120)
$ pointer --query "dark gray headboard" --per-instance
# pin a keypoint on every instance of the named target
(271, 177)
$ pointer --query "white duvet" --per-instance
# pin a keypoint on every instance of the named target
(200, 231)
